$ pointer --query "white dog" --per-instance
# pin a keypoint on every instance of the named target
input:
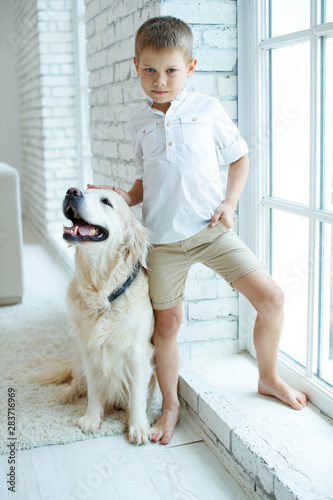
(110, 311)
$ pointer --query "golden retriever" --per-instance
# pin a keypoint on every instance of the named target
(114, 363)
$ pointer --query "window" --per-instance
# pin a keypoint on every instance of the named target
(286, 115)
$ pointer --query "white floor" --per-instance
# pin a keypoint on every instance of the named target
(109, 467)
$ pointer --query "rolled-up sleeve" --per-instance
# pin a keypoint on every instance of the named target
(139, 170)
(227, 136)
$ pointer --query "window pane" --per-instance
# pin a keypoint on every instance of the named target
(290, 263)
(288, 16)
(328, 11)
(325, 333)
(327, 123)
(290, 123)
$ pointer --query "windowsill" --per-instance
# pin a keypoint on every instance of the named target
(275, 450)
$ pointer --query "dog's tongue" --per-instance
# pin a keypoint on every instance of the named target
(82, 228)
(86, 230)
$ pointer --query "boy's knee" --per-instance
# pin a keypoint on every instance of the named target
(273, 302)
(167, 322)
(278, 298)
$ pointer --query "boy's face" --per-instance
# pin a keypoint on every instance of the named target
(163, 74)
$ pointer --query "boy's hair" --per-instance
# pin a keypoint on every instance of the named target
(164, 33)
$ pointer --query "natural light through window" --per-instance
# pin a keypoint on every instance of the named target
(290, 115)
(297, 72)
(287, 16)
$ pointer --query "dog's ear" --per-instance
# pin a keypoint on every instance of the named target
(136, 241)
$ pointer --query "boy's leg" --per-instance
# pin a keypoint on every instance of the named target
(267, 298)
(168, 267)
(167, 324)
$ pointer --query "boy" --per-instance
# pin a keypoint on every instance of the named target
(177, 177)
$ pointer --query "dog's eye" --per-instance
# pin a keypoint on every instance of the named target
(106, 202)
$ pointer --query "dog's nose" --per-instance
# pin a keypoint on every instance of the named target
(75, 192)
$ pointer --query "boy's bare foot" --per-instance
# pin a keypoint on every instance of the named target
(281, 390)
(165, 426)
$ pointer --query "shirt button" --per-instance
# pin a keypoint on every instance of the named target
(168, 124)
(170, 143)
(194, 119)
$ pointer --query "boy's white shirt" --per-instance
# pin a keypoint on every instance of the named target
(176, 158)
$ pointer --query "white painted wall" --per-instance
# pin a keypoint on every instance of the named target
(10, 140)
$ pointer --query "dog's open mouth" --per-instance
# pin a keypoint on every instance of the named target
(82, 230)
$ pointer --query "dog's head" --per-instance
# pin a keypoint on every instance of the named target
(102, 218)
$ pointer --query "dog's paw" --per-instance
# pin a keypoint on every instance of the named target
(88, 423)
(139, 434)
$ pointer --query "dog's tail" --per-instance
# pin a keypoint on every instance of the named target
(48, 370)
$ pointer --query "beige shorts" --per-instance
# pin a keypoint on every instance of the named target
(217, 247)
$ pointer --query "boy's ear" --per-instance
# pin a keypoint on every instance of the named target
(136, 65)
(191, 67)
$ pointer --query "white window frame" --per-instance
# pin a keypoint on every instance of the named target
(251, 99)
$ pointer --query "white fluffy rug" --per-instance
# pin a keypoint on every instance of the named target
(39, 327)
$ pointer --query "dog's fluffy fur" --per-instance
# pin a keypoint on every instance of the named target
(114, 362)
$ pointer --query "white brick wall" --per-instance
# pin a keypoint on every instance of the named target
(43, 43)
(211, 306)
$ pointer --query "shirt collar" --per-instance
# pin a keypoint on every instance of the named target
(178, 99)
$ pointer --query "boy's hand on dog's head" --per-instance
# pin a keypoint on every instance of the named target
(95, 186)
(123, 193)
(118, 190)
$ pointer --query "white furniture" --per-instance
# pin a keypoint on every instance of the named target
(11, 267)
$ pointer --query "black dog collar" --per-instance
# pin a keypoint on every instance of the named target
(126, 284)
